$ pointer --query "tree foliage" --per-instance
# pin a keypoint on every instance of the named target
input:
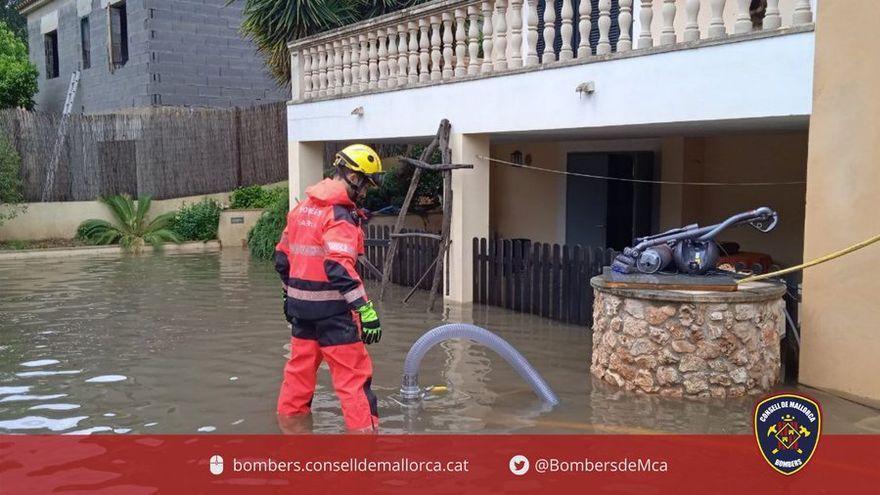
(271, 24)
(397, 180)
(18, 76)
(133, 229)
(15, 21)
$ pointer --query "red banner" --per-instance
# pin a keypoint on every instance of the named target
(219, 464)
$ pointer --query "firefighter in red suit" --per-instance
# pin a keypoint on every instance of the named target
(324, 298)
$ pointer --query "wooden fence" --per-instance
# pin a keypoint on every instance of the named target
(161, 152)
(413, 258)
(542, 279)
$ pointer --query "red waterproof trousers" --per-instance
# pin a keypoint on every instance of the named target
(336, 340)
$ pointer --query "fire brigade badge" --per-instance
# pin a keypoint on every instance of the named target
(787, 427)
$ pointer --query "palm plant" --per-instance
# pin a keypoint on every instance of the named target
(132, 229)
(271, 24)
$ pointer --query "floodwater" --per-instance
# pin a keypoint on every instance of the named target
(183, 343)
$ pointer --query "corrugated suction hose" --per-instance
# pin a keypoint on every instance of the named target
(410, 389)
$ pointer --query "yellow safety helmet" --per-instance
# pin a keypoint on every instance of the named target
(363, 159)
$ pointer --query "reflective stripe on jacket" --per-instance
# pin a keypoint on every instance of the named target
(320, 245)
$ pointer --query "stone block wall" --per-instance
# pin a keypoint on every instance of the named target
(687, 349)
(181, 53)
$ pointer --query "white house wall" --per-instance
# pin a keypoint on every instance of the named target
(750, 79)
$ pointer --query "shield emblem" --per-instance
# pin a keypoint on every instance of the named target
(788, 427)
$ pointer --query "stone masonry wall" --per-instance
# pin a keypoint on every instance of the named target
(677, 349)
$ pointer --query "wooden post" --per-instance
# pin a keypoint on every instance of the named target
(446, 158)
(398, 224)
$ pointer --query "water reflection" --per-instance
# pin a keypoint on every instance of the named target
(196, 343)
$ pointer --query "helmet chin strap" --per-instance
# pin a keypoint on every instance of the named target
(356, 188)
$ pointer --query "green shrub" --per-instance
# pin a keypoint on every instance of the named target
(256, 197)
(265, 234)
(10, 181)
(197, 221)
(246, 197)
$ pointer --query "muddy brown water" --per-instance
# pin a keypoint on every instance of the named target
(185, 343)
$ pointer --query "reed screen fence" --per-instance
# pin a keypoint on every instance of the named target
(160, 152)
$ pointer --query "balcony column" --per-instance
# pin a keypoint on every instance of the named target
(470, 212)
(300, 78)
(305, 166)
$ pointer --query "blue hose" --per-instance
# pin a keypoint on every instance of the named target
(410, 389)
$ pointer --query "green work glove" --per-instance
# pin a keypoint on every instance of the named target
(370, 327)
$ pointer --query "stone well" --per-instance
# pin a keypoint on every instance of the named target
(688, 343)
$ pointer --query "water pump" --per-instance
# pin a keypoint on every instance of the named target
(692, 248)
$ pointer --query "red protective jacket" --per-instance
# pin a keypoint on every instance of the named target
(318, 252)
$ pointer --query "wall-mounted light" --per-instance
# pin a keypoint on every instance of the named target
(359, 111)
(519, 159)
(586, 88)
(516, 157)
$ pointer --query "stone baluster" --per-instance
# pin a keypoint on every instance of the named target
(460, 43)
(625, 19)
(566, 30)
(585, 25)
(646, 15)
(604, 45)
(322, 70)
(743, 22)
(424, 53)
(549, 33)
(488, 42)
(436, 41)
(413, 69)
(803, 13)
(331, 71)
(531, 57)
(307, 72)
(516, 22)
(346, 66)
(331, 68)
(500, 27)
(382, 54)
(667, 29)
(448, 40)
(392, 57)
(364, 63)
(328, 68)
(772, 19)
(473, 40)
(374, 60)
(355, 64)
(316, 71)
(402, 55)
(716, 18)
(337, 67)
(691, 27)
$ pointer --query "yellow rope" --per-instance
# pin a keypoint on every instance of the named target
(823, 259)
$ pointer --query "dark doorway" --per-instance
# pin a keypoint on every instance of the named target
(608, 213)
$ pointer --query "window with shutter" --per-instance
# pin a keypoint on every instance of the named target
(118, 35)
(85, 36)
(50, 43)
